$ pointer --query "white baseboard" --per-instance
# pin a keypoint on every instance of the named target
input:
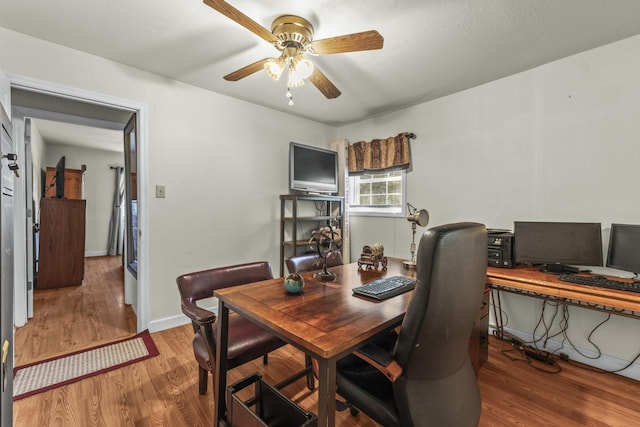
(586, 356)
(173, 321)
(168, 323)
(88, 254)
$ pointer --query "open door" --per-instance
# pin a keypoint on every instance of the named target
(31, 231)
(131, 203)
(6, 268)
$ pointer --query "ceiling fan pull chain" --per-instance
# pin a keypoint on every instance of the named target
(290, 96)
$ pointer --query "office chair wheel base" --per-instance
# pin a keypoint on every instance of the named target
(341, 406)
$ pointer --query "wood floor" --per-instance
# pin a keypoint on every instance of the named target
(76, 317)
(162, 391)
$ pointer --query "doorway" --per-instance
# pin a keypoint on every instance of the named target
(37, 99)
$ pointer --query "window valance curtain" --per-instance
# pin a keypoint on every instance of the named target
(380, 155)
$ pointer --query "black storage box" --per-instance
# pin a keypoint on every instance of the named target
(270, 407)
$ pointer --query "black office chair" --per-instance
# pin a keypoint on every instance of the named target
(423, 376)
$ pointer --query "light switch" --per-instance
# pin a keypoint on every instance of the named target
(159, 191)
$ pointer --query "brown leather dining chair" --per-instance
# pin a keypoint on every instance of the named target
(423, 376)
(247, 341)
(311, 262)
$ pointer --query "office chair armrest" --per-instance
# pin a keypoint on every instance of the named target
(380, 359)
(199, 315)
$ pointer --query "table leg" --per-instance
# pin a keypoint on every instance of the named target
(327, 392)
(220, 383)
(497, 312)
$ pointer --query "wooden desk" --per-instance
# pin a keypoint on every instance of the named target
(532, 282)
(326, 322)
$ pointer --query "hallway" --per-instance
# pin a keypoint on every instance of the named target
(72, 318)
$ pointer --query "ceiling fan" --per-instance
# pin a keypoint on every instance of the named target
(292, 36)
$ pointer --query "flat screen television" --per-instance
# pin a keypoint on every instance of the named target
(60, 166)
(312, 169)
(564, 243)
(624, 248)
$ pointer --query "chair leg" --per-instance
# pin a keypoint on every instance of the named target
(265, 358)
(341, 406)
(308, 364)
(203, 378)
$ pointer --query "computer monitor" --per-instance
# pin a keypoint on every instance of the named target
(565, 243)
(624, 248)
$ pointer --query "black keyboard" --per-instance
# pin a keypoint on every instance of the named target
(386, 288)
(601, 282)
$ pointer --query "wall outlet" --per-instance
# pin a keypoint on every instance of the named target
(160, 192)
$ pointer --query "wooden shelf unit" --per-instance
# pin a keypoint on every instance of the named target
(297, 210)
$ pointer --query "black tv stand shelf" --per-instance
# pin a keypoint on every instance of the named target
(298, 211)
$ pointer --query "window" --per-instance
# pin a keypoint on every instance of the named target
(378, 194)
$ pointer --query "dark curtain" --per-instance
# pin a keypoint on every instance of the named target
(116, 225)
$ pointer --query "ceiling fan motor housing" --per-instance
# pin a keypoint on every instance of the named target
(292, 31)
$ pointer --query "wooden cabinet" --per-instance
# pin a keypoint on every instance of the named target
(62, 235)
(299, 215)
(72, 182)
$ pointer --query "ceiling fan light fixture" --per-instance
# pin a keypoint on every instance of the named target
(274, 67)
(295, 83)
(300, 68)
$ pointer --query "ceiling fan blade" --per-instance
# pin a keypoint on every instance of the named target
(246, 71)
(234, 14)
(323, 84)
(367, 40)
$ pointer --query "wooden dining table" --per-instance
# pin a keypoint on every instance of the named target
(326, 321)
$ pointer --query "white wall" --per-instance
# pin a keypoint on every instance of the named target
(99, 185)
(223, 162)
(560, 142)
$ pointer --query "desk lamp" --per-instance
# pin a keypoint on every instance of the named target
(415, 217)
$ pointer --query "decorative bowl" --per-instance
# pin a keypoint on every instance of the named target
(293, 283)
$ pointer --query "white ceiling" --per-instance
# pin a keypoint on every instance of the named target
(431, 47)
(59, 133)
(63, 121)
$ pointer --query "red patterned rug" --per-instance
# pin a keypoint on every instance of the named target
(69, 368)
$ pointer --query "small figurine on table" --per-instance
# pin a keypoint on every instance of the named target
(372, 257)
(326, 242)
